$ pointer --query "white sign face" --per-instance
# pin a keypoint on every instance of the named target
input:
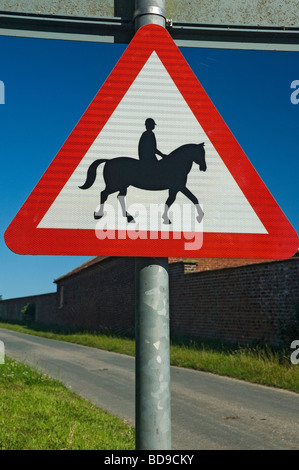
(154, 95)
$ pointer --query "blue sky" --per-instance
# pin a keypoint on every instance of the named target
(49, 84)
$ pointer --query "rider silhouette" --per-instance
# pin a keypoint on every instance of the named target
(147, 147)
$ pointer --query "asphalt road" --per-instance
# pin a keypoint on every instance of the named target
(209, 412)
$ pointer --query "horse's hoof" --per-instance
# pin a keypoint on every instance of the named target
(97, 216)
(130, 218)
(166, 221)
(199, 218)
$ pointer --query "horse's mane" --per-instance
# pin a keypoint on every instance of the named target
(182, 149)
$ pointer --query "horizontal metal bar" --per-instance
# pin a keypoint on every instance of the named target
(122, 30)
(66, 27)
(117, 21)
(235, 36)
(232, 27)
(72, 19)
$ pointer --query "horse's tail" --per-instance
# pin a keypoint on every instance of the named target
(92, 173)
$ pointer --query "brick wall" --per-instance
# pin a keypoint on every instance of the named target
(101, 296)
(45, 307)
(209, 264)
(241, 304)
(238, 304)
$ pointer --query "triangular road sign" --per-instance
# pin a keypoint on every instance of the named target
(152, 103)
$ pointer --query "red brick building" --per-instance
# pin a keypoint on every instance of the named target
(231, 300)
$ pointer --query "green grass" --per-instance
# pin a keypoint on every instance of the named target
(256, 365)
(38, 413)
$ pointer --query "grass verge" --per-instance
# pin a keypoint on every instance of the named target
(257, 365)
(38, 413)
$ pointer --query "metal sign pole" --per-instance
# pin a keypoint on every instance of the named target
(153, 418)
(153, 415)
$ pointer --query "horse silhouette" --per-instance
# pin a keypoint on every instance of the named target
(170, 173)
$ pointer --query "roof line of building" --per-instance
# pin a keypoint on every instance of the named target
(93, 261)
(99, 259)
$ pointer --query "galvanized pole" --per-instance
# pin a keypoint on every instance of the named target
(149, 12)
(153, 415)
(153, 418)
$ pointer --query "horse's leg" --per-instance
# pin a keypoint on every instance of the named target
(194, 199)
(104, 195)
(169, 202)
(121, 197)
